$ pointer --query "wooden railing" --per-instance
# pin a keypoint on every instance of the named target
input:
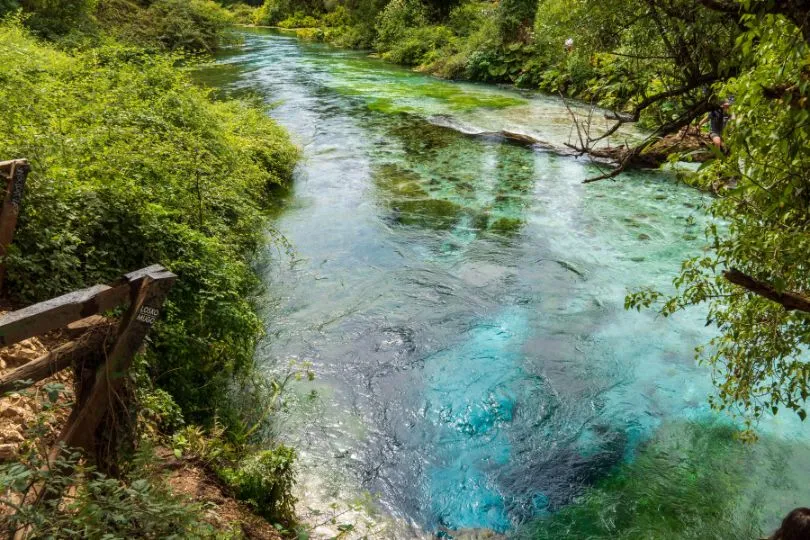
(101, 355)
(142, 291)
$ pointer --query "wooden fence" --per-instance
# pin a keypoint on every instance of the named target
(101, 360)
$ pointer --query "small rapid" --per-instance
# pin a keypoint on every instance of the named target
(460, 299)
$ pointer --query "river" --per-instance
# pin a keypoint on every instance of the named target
(460, 300)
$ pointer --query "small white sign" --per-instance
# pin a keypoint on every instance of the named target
(148, 315)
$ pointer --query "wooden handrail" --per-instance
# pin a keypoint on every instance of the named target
(63, 310)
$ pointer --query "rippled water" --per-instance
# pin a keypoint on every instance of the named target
(461, 300)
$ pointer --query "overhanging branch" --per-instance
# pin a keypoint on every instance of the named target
(791, 301)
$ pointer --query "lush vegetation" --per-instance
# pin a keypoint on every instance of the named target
(684, 483)
(133, 164)
(191, 25)
(103, 507)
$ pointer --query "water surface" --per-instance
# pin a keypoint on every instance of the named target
(461, 301)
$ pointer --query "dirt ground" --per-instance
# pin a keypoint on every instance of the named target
(20, 410)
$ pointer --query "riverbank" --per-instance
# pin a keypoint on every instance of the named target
(461, 300)
(132, 164)
(527, 69)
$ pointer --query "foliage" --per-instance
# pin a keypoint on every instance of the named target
(194, 25)
(243, 13)
(396, 19)
(134, 165)
(157, 413)
(272, 12)
(99, 507)
(265, 481)
(54, 18)
(419, 45)
(758, 360)
(683, 484)
(299, 20)
(515, 17)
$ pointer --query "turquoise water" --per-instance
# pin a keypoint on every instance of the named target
(460, 299)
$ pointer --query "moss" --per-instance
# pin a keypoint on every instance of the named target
(388, 106)
(428, 213)
(505, 225)
(399, 182)
(685, 483)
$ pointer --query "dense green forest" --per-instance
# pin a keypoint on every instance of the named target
(134, 164)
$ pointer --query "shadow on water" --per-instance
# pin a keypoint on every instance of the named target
(691, 480)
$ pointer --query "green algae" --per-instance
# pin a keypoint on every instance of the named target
(388, 106)
(506, 226)
(687, 482)
(428, 213)
(399, 182)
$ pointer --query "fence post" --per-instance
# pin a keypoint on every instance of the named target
(146, 298)
(16, 176)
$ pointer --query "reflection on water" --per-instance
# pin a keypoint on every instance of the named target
(461, 300)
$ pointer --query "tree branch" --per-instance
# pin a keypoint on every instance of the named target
(791, 301)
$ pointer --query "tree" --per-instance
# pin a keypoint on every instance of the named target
(515, 17)
(661, 61)
(755, 280)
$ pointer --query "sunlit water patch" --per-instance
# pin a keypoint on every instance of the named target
(461, 300)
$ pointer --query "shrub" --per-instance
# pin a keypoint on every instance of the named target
(468, 17)
(243, 13)
(419, 45)
(135, 165)
(396, 19)
(100, 507)
(299, 20)
(265, 481)
(54, 18)
(272, 12)
(339, 17)
(195, 25)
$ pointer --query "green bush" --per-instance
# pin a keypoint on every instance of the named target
(337, 18)
(419, 45)
(54, 18)
(100, 507)
(195, 25)
(395, 21)
(243, 13)
(135, 165)
(468, 17)
(299, 20)
(265, 481)
(272, 12)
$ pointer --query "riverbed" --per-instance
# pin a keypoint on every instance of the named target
(460, 299)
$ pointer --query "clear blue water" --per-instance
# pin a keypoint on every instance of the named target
(461, 299)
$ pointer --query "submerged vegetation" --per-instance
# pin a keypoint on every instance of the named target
(664, 65)
(685, 483)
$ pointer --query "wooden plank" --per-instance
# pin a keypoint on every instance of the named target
(60, 311)
(15, 187)
(148, 294)
(55, 361)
